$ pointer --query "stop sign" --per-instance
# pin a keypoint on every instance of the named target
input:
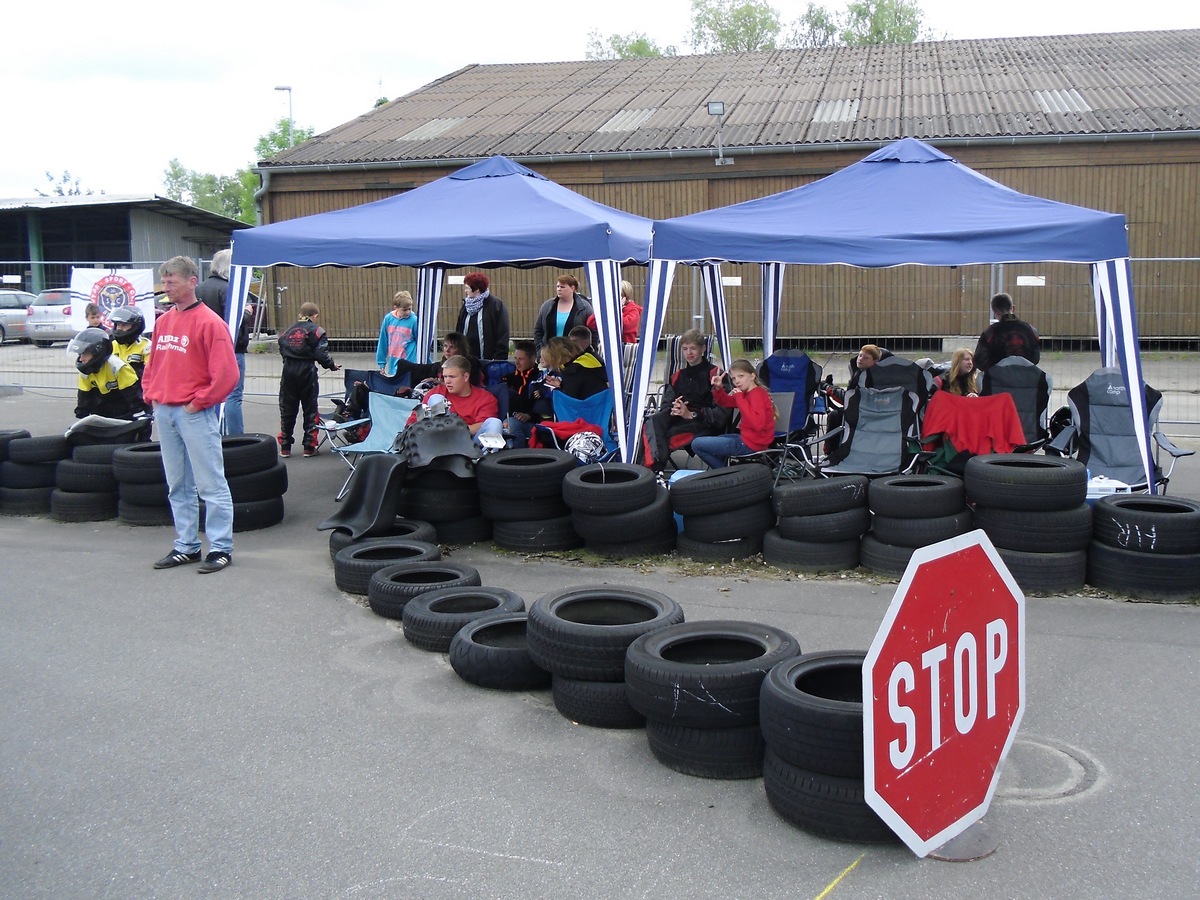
(943, 691)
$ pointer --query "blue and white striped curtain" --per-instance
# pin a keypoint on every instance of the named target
(772, 298)
(429, 298)
(604, 280)
(710, 274)
(658, 291)
(1112, 286)
(235, 297)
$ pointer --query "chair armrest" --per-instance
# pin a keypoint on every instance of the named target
(1163, 441)
(334, 427)
(1061, 444)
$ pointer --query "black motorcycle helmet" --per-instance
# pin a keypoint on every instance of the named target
(127, 324)
(92, 341)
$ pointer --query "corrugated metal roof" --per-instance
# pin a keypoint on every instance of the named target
(1029, 86)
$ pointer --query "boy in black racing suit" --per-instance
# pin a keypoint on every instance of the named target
(302, 346)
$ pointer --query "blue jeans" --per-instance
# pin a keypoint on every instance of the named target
(233, 422)
(715, 449)
(191, 452)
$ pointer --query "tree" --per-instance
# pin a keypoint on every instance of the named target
(635, 45)
(64, 187)
(817, 27)
(276, 140)
(883, 22)
(729, 26)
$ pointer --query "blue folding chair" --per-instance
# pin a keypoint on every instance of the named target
(595, 410)
(389, 417)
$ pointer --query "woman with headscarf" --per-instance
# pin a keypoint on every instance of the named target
(483, 319)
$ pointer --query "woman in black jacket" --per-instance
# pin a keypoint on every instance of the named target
(483, 319)
(562, 312)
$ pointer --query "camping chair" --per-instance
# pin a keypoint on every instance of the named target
(496, 370)
(344, 424)
(787, 455)
(794, 372)
(590, 413)
(1101, 434)
(878, 435)
(389, 416)
(628, 370)
(895, 371)
(1029, 387)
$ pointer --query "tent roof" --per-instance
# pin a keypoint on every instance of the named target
(493, 213)
(905, 203)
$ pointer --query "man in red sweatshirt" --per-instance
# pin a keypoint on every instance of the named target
(192, 369)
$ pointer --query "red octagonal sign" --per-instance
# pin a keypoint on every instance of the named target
(943, 691)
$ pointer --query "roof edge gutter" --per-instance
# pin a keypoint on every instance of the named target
(701, 153)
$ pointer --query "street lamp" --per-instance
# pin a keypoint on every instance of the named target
(717, 108)
(291, 125)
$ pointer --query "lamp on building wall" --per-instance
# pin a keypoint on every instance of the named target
(717, 108)
(291, 125)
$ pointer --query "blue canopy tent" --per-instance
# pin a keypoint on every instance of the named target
(493, 213)
(905, 204)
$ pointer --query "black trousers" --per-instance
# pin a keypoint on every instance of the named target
(298, 389)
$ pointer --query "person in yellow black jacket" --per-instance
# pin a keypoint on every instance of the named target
(583, 374)
(108, 386)
(129, 342)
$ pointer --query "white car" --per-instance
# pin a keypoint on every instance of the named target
(14, 314)
(51, 319)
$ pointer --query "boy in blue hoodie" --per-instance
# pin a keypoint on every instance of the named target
(397, 335)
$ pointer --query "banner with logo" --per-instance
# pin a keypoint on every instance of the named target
(109, 289)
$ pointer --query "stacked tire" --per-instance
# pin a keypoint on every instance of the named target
(726, 512)
(619, 510)
(580, 635)
(86, 488)
(447, 501)
(1034, 510)
(28, 472)
(907, 512)
(521, 494)
(820, 524)
(812, 724)
(141, 485)
(257, 480)
(698, 686)
(1146, 546)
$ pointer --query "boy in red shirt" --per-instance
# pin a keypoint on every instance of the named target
(474, 405)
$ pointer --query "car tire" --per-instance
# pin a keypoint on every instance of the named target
(1018, 529)
(7, 436)
(389, 589)
(746, 521)
(827, 528)
(916, 496)
(139, 463)
(725, 753)
(633, 525)
(25, 501)
(825, 805)
(545, 535)
(153, 494)
(881, 558)
(143, 516)
(491, 652)
(820, 496)
(597, 704)
(1144, 576)
(407, 529)
(919, 532)
(433, 618)
(354, 565)
(718, 551)
(524, 474)
(1025, 481)
(661, 543)
(15, 474)
(1148, 524)
(244, 454)
(1047, 573)
(49, 448)
(807, 556)
(471, 530)
(263, 484)
(608, 488)
(83, 506)
(79, 477)
(717, 490)
(536, 509)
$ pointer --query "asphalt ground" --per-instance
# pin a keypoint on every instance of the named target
(258, 733)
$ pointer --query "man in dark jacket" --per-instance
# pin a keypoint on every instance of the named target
(302, 346)
(687, 407)
(212, 292)
(1007, 336)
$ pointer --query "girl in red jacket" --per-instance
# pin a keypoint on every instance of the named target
(757, 425)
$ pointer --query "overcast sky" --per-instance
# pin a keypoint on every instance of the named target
(113, 91)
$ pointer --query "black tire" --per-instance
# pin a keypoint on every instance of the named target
(95, 454)
(79, 477)
(81, 506)
(153, 494)
(820, 496)
(439, 506)
(15, 474)
(244, 454)
(919, 532)
(389, 589)
(806, 556)
(1144, 576)
(524, 474)
(136, 514)
(537, 509)
(433, 618)
(1148, 524)
(427, 479)
(1047, 573)
(1017, 529)
(811, 714)
(634, 525)
(721, 489)
(48, 448)
(410, 529)
(583, 632)
(261, 485)
(881, 558)
(471, 530)
(704, 674)
(827, 528)
(599, 704)
(7, 436)
(727, 753)
(20, 501)
(745, 521)
(536, 537)
(606, 488)
(1025, 481)
(720, 551)
(139, 463)
(916, 496)
(825, 805)
(257, 514)
(659, 544)
(491, 652)
(354, 565)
